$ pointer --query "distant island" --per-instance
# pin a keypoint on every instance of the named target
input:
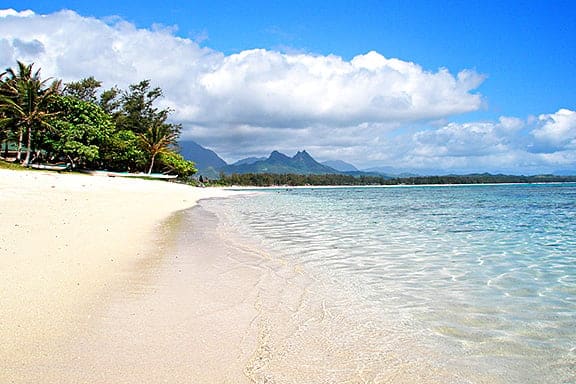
(269, 180)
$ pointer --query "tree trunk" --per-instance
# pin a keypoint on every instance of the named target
(151, 164)
(28, 147)
(19, 149)
(72, 165)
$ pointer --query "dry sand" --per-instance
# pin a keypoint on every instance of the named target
(68, 243)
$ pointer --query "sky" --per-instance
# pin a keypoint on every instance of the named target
(410, 86)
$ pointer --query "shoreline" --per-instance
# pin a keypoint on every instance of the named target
(312, 187)
(68, 242)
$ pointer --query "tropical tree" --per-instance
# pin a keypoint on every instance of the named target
(25, 100)
(110, 103)
(6, 123)
(4, 136)
(134, 110)
(123, 152)
(82, 130)
(158, 138)
(114, 129)
(175, 162)
(137, 110)
(85, 89)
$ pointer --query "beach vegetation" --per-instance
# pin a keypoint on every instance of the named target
(122, 152)
(9, 165)
(25, 101)
(270, 179)
(175, 162)
(81, 131)
(79, 124)
(157, 139)
(134, 110)
(85, 89)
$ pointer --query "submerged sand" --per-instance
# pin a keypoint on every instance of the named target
(68, 244)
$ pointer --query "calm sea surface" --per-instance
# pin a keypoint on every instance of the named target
(484, 276)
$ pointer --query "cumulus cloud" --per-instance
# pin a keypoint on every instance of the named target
(368, 110)
(14, 13)
(256, 87)
(71, 47)
(273, 89)
(556, 131)
(506, 145)
(456, 147)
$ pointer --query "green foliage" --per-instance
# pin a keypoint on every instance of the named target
(157, 139)
(81, 129)
(119, 130)
(134, 110)
(85, 89)
(137, 108)
(25, 101)
(266, 180)
(174, 163)
(6, 133)
(110, 103)
(122, 152)
(270, 179)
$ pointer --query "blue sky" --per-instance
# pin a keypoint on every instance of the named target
(522, 55)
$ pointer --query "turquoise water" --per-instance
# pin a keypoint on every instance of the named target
(485, 276)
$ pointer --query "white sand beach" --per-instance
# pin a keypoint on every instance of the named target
(68, 243)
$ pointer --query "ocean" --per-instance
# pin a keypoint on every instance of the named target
(426, 284)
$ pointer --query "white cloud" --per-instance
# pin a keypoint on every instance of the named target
(270, 88)
(503, 146)
(368, 110)
(556, 131)
(14, 13)
(255, 87)
(71, 47)
(456, 147)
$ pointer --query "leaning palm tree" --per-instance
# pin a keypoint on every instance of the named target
(25, 101)
(157, 139)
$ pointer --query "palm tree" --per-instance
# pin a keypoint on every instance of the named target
(3, 137)
(157, 139)
(6, 124)
(25, 100)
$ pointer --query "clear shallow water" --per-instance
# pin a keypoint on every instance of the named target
(484, 276)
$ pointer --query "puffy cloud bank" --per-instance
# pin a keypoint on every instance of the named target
(536, 144)
(257, 100)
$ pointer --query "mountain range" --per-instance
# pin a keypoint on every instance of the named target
(340, 165)
(207, 161)
(210, 165)
(301, 163)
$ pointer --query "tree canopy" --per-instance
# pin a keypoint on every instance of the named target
(80, 124)
(269, 179)
(25, 102)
